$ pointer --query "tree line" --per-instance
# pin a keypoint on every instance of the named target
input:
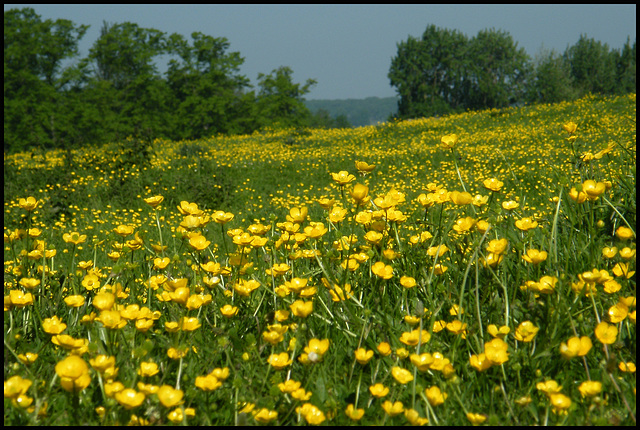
(444, 71)
(54, 99)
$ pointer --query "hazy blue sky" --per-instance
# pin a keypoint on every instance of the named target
(348, 48)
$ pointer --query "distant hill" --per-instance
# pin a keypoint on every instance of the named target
(359, 112)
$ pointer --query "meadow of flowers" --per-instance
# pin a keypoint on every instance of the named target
(473, 269)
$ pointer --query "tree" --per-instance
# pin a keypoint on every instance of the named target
(593, 67)
(498, 71)
(626, 69)
(208, 92)
(33, 77)
(551, 79)
(280, 100)
(428, 73)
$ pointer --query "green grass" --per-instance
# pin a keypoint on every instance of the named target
(261, 179)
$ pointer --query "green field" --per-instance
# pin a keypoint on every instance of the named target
(474, 268)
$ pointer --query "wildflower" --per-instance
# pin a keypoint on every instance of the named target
(279, 361)
(414, 337)
(457, 327)
(549, 387)
(535, 256)
(624, 233)
(154, 201)
(297, 214)
(526, 331)
(364, 167)
(317, 347)
(315, 230)
(199, 242)
(382, 270)
(401, 375)
(28, 204)
(53, 325)
(618, 312)
(493, 184)
(169, 396)
(590, 388)
(74, 301)
(74, 238)
(627, 367)
(264, 415)
(301, 309)
(177, 354)
(311, 414)
(343, 177)
(435, 396)
(460, 198)
(497, 246)
(229, 311)
(301, 394)
(576, 347)
(73, 373)
(353, 413)
(439, 250)
(510, 205)
(476, 419)
(148, 368)
(577, 196)
(621, 270)
(560, 403)
(289, 386)
(208, 383)
(28, 358)
(414, 417)
(363, 355)
(378, 390)
(463, 225)
(627, 253)
(496, 351)
(448, 141)
(501, 332)
(337, 214)
(19, 299)
(222, 217)
(360, 194)
(16, 386)
(102, 363)
(423, 361)
(593, 189)
(393, 409)
(606, 333)
(384, 348)
(570, 127)
(526, 223)
(129, 398)
(190, 324)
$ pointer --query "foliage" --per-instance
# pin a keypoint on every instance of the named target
(445, 72)
(473, 268)
(117, 92)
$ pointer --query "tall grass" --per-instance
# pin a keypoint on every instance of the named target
(476, 268)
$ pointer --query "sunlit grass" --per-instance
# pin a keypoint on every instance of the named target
(476, 268)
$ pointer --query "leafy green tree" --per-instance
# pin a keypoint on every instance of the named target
(428, 73)
(209, 94)
(497, 72)
(626, 69)
(551, 79)
(123, 57)
(34, 51)
(593, 67)
(281, 101)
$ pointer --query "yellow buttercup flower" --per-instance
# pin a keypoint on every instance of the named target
(448, 141)
(74, 238)
(378, 390)
(526, 331)
(401, 375)
(129, 398)
(364, 167)
(154, 201)
(606, 333)
(343, 177)
(279, 361)
(353, 413)
(169, 396)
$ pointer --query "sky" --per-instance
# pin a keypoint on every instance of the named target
(348, 49)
